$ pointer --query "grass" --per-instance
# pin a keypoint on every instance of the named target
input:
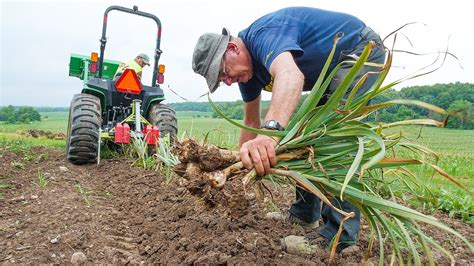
(55, 122)
(454, 148)
(85, 194)
(42, 182)
(193, 114)
(217, 131)
(19, 143)
(167, 160)
(18, 165)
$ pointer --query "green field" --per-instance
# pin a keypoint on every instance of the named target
(193, 114)
(50, 121)
(454, 147)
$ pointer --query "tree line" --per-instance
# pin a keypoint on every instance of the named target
(24, 114)
(457, 97)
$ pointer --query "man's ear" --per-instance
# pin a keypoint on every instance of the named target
(233, 47)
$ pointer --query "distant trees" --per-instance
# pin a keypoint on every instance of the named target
(466, 111)
(46, 109)
(232, 109)
(24, 114)
(455, 97)
(191, 106)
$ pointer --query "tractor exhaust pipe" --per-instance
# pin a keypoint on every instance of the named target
(136, 105)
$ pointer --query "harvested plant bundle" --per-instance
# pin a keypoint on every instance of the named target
(197, 160)
(331, 151)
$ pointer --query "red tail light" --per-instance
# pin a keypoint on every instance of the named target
(93, 68)
(161, 78)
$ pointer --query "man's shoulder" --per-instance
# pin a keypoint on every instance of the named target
(282, 18)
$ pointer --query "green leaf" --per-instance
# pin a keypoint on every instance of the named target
(360, 131)
(337, 95)
(395, 162)
(355, 165)
(409, 241)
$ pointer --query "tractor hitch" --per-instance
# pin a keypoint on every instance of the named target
(122, 131)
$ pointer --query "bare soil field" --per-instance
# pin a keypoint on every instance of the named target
(115, 213)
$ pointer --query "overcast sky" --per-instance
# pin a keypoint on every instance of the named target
(37, 38)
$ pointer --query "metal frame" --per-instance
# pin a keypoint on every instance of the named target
(103, 39)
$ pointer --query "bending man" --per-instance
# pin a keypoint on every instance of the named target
(284, 52)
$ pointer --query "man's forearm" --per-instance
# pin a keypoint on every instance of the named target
(287, 87)
(285, 98)
(251, 119)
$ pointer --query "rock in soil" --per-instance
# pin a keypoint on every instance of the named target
(78, 258)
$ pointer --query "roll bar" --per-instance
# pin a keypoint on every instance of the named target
(103, 39)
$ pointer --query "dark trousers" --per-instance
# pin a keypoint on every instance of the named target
(307, 207)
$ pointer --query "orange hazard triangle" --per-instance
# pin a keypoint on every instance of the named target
(129, 82)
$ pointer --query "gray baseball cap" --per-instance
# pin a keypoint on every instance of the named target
(145, 57)
(207, 56)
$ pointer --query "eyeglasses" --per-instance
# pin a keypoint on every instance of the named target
(223, 72)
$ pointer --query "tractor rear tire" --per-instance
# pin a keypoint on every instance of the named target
(164, 118)
(83, 129)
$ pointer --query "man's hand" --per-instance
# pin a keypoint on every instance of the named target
(259, 153)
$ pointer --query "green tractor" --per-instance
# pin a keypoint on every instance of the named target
(119, 110)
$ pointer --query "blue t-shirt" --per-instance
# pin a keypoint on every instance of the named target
(307, 33)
